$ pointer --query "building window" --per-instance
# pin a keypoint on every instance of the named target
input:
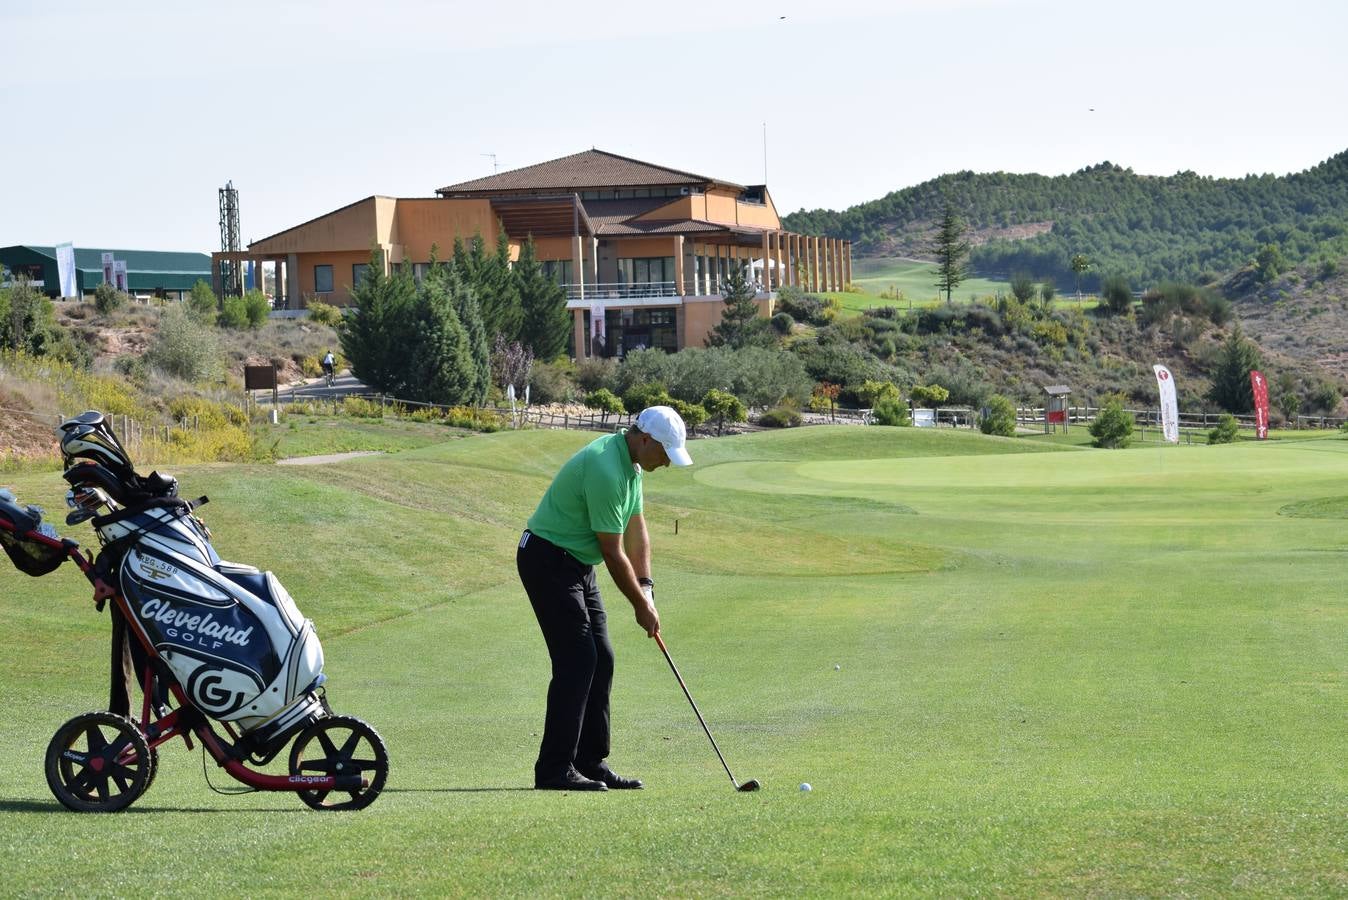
(322, 279)
(559, 270)
(358, 274)
(420, 271)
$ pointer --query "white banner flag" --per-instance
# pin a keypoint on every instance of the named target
(119, 273)
(65, 269)
(107, 268)
(1165, 382)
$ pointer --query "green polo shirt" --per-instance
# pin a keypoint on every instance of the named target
(597, 490)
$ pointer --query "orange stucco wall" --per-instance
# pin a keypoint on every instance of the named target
(341, 262)
(762, 215)
(720, 207)
(639, 247)
(420, 222)
(552, 248)
(680, 208)
(352, 227)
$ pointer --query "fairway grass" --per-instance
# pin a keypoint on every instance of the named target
(1006, 667)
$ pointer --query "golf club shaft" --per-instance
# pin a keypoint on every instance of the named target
(703, 722)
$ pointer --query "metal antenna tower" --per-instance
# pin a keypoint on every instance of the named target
(231, 281)
(494, 167)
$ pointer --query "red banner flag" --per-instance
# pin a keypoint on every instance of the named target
(1259, 384)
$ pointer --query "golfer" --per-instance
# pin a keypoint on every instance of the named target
(591, 513)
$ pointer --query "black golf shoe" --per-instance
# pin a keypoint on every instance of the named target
(610, 778)
(570, 780)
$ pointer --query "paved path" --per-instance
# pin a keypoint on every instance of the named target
(329, 458)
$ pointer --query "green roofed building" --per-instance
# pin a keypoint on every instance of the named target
(148, 272)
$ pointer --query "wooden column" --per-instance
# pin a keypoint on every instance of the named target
(579, 316)
(777, 258)
(678, 265)
(847, 260)
(814, 264)
(578, 266)
(767, 259)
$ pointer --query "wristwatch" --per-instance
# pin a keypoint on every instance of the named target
(646, 582)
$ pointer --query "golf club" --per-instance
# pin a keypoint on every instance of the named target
(752, 783)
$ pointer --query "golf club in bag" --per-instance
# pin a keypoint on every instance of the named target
(752, 783)
(208, 642)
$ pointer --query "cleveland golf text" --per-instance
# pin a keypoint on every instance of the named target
(161, 612)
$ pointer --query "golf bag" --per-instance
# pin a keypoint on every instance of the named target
(225, 641)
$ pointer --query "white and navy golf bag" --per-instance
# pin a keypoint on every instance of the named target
(229, 634)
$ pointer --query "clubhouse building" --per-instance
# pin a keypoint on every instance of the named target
(642, 250)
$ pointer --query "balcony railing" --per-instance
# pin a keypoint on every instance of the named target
(623, 290)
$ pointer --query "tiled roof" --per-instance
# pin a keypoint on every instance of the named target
(591, 169)
(667, 226)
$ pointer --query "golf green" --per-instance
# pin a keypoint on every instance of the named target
(1004, 667)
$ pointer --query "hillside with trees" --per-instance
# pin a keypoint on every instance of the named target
(1184, 227)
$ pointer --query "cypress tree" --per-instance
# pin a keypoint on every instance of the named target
(545, 320)
(1231, 388)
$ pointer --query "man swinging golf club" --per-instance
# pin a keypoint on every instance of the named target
(592, 512)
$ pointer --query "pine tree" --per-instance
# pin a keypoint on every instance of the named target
(545, 321)
(1231, 388)
(464, 300)
(440, 355)
(737, 318)
(375, 340)
(501, 297)
(950, 249)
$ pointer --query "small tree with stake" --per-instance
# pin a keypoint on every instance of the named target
(1080, 266)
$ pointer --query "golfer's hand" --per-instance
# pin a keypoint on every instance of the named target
(648, 618)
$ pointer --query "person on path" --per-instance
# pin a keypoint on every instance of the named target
(592, 513)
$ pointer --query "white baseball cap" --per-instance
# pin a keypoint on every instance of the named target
(664, 424)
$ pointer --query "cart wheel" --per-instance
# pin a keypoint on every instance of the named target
(99, 762)
(340, 745)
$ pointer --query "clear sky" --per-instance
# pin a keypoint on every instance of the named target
(122, 119)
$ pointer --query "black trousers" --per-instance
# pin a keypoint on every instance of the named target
(570, 613)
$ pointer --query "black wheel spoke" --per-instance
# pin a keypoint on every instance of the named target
(110, 774)
(350, 748)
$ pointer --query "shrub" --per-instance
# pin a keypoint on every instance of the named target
(107, 298)
(780, 417)
(890, 411)
(184, 348)
(1226, 430)
(870, 393)
(802, 307)
(1117, 294)
(723, 407)
(692, 414)
(325, 313)
(782, 323)
(605, 401)
(257, 308)
(233, 313)
(999, 417)
(594, 373)
(1113, 426)
(550, 382)
(641, 396)
(201, 303)
(925, 396)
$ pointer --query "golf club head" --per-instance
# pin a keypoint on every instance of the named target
(750, 785)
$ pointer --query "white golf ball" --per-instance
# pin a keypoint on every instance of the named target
(837, 668)
(805, 786)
